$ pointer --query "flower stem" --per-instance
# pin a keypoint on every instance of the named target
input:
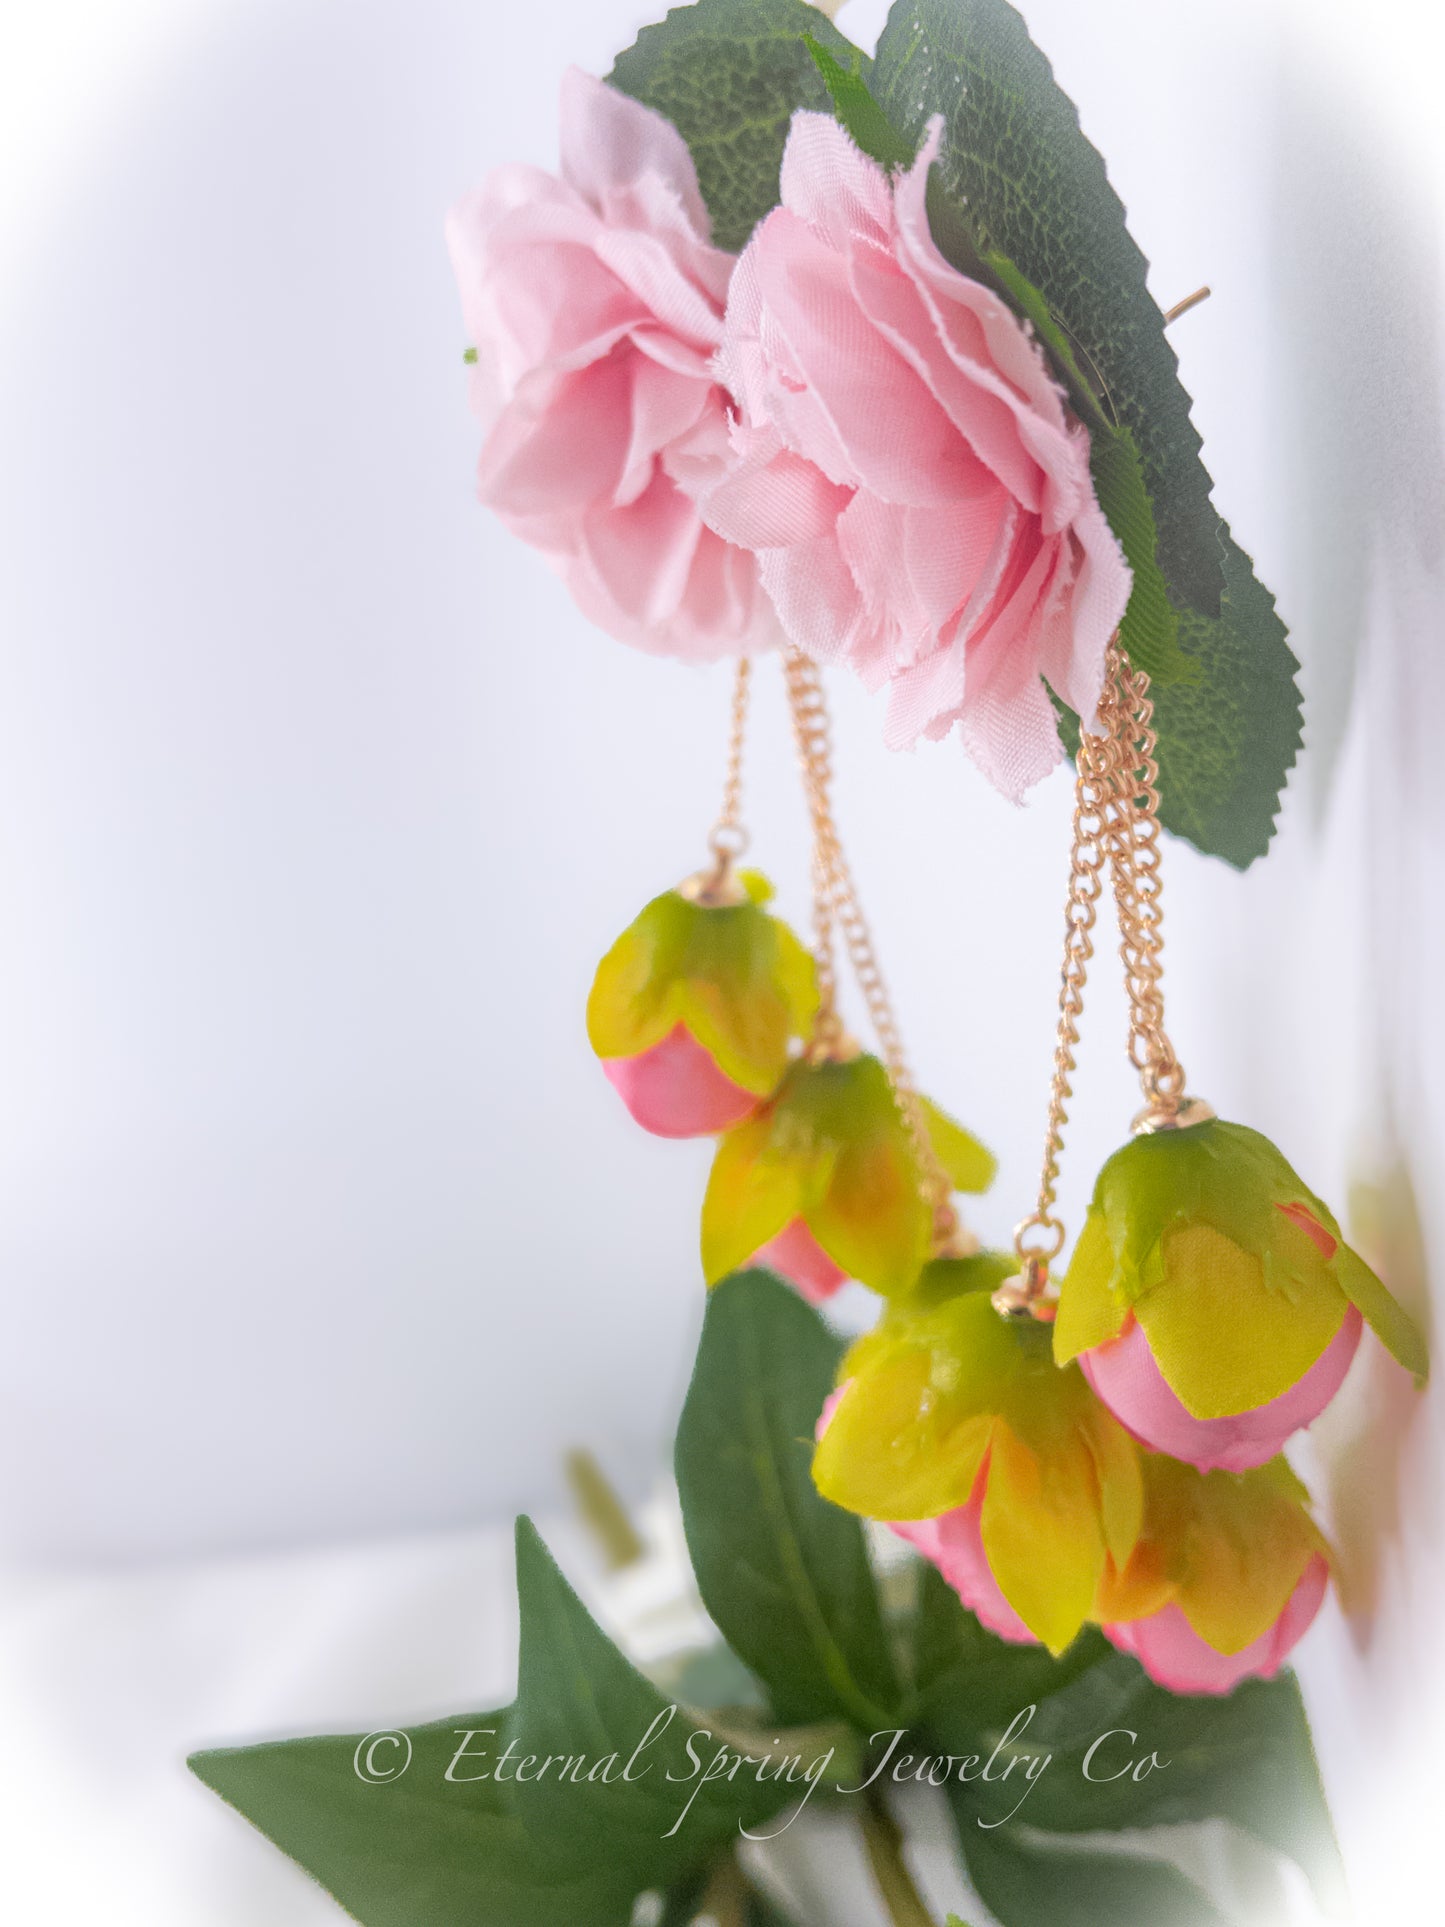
(884, 1842)
(726, 1898)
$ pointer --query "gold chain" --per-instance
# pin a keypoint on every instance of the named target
(836, 907)
(728, 840)
(1138, 887)
(1116, 824)
(1094, 826)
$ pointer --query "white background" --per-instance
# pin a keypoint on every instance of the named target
(318, 804)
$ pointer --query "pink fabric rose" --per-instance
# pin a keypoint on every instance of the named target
(595, 303)
(905, 466)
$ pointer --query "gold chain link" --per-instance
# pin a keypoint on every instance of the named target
(836, 908)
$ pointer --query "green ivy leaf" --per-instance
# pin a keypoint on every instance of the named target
(578, 1696)
(416, 1847)
(784, 1574)
(1037, 191)
(729, 74)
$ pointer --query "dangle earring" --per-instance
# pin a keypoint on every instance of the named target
(1211, 1299)
(697, 1008)
(847, 1171)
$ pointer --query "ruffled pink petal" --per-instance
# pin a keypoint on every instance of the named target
(826, 181)
(676, 1090)
(610, 142)
(796, 1255)
(1127, 1378)
(595, 304)
(1171, 1652)
(971, 563)
(954, 1543)
(854, 391)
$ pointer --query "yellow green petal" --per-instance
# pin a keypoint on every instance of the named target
(971, 1166)
(890, 1453)
(1224, 1341)
(1247, 1548)
(1121, 1484)
(1384, 1315)
(1089, 1312)
(1042, 1534)
(872, 1220)
(752, 1193)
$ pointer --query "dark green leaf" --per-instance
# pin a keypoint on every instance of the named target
(1029, 1880)
(414, 1848)
(715, 1677)
(1150, 629)
(1245, 1758)
(1037, 191)
(1228, 740)
(578, 1697)
(867, 125)
(969, 1682)
(729, 74)
(784, 1574)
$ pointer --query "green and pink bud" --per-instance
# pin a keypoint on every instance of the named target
(698, 1005)
(955, 1427)
(1212, 1302)
(822, 1182)
(1227, 1576)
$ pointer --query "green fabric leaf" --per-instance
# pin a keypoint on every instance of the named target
(729, 74)
(1031, 1880)
(867, 125)
(1150, 629)
(1037, 191)
(784, 1574)
(1229, 738)
(1245, 1758)
(417, 1847)
(578, 1696)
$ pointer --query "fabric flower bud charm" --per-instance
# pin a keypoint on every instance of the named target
(823, 1184)
(1226, 1579)
(955, 1426)
(694, 1008)
(1211, 1300)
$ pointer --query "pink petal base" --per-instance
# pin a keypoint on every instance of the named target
(676, 1090)
(1171, 1652)
(796, 1255)
(1126, 1377)
(954, 1543)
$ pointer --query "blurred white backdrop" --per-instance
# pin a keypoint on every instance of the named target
(318, 802)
